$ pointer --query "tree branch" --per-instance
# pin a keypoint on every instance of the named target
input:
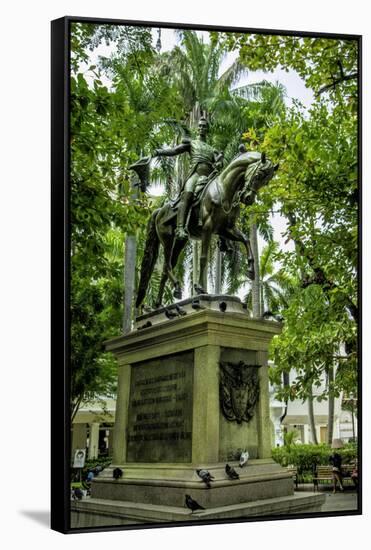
(336, 81)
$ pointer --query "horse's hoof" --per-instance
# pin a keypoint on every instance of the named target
(177, 293)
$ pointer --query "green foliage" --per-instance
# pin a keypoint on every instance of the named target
(154, 101)
(108, 131)
(326, 65)
(316, 190)
(289, 438)
(305, 457)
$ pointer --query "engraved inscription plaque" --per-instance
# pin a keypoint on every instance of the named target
(160, 410)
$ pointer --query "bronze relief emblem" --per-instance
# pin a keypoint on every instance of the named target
(239, 390)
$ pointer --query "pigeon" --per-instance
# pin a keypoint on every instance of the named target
(231, 472)
(268, 315)
(196, 304)
(199, 289)
(78, 494)
(117, 473)
(205, 476)
(244, 458)
(180, 310)
(192, 504)
(171, 314)
(146, 325)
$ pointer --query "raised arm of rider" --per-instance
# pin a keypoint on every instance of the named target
(183, 147)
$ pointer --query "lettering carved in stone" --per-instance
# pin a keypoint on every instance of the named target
(239, 390)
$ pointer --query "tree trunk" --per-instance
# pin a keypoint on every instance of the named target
(129, 274)
(331, 406)
(196, 263)
(255, 284)
(312, 423)
(218, 272)
(129, 281)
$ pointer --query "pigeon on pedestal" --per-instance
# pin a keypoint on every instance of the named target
(196, 304)
(205, 476)
(171, 313)
(192, 504)
(244, 458)
(180, 310)
(117, 473)
(231, 472)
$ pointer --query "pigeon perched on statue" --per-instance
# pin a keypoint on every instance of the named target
(192, 504)
(117, 473)
(171, 314)
(180, 310)
(269, 316)
(205, 476)
(244, 458)
(231, 472)
(196, 304)
(146, 325)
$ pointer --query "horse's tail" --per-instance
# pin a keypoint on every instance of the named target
(149, 257)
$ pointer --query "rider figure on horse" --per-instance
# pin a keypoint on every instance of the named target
(204, 161)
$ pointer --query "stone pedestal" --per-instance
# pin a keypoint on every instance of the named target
(192, 393)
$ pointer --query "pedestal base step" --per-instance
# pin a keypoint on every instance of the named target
(103, 513)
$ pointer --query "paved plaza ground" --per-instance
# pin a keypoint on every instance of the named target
(335, 502)
(340, 501)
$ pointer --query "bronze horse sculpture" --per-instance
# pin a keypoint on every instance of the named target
(216, 212)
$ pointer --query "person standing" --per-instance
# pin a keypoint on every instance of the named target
(335, 460)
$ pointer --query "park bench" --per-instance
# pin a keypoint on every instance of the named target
(323, 474)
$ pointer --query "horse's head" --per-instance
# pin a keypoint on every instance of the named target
(257, 175)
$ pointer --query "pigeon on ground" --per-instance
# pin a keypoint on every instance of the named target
(244, 458)
(180, 310)
(192, 504)
(231, 472)
(171, 313)
(205, 476)
(117, 473)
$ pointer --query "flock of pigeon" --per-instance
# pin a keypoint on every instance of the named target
(174, 312)
(205, 475)
(207, 478)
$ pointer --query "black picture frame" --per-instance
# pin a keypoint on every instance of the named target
(60, 266)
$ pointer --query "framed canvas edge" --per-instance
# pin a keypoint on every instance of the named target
(60, 271)
(60, 433)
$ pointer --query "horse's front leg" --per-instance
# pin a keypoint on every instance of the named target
(205, 245)
(161, 289)
(172, 249)
(236, 235)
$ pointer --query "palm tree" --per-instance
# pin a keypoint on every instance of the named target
(275, 287)
(266, 102)
(193, 68)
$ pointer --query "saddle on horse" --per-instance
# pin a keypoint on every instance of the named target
(200, 190)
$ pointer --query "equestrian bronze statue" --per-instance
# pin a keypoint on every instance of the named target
(214, 211)
(204, 162)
